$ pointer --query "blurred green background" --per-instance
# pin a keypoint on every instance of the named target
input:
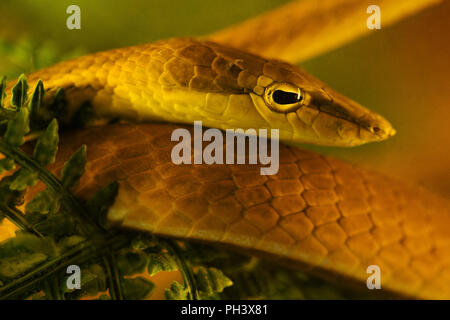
(400, 71)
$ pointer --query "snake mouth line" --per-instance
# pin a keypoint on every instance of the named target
(334, 104)
(373, 123)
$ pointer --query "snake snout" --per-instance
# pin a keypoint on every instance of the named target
(375, 128)
(383, 133)
(342, 121)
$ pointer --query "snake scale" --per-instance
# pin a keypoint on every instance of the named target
(316, 213)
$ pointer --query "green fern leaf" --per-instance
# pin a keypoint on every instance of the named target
(18, 128)
(58, 225)
(73, 169)
(47, 145)
(137, 288)
(37, 100)
(8, 197)
(161, 262)
(2, 91)
(130, 263)
(23, 179)
(57, 106)
(100, 202)
(211, 281)
(20, 92)
(44, 202)
(18, 264)
(6, 164)
(176, 292)
(27, 243)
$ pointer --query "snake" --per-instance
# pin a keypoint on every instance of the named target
(317, 213)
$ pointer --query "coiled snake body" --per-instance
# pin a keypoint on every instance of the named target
(315, 213)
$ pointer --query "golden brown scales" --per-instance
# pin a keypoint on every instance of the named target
(342, 217)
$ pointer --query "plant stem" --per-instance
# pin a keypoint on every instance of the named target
(19, 220)
(115, 287)
(53, 184)
(76, 255)
(184, 267)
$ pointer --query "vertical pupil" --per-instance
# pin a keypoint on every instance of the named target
(283, 97)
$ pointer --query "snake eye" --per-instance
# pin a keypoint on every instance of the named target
(283, 97)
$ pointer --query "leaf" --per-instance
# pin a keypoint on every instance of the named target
(2, 91)
(99, 204)
(24, 178)
(137, 288)
(26, 243)
(211, 281)
(161, 262)
(143, 242)
(130, 263)
(37, 100)
(18, 128)
(58, 104)
(176, 292)
(10, 198)
(70, 241)
(73, 169)
(16, 265)
(47, 145)
(5, 113)
(57, 225)
(44, 202)
(20, 92)
(6, 164)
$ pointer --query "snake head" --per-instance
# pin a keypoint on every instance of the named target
(311, 112)
(273, 94)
